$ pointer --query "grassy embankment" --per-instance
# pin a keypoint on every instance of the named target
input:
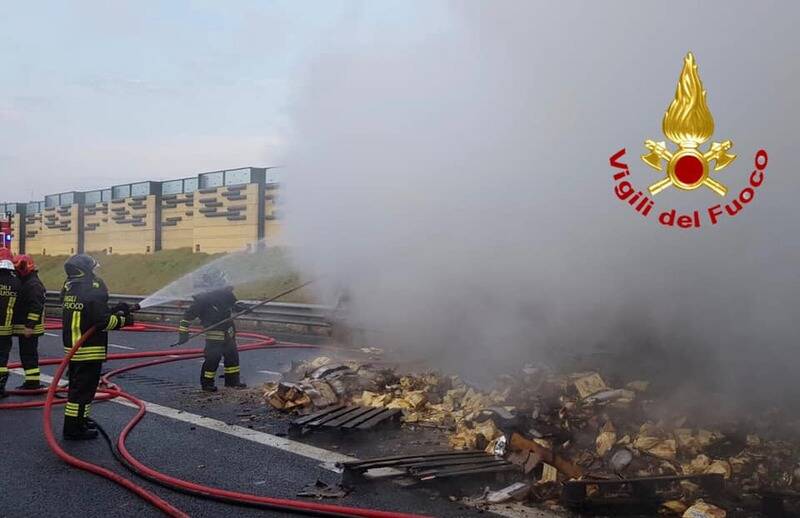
(144, 274)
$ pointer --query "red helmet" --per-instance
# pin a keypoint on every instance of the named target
(6, 259)
(24, 265)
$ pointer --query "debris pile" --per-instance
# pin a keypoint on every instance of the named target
(440, 401)
(323, 382)
(620, 433)
(573, 431)
(428, 399)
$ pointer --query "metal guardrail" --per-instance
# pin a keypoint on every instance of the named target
(276, 316)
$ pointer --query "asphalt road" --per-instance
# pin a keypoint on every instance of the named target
(35, 483)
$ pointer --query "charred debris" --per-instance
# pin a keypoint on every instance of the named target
(582, 441)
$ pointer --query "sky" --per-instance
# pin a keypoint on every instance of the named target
(97, 93)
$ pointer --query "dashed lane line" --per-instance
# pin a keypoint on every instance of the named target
(126, 347)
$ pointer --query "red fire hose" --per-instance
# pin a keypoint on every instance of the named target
(139, 491)
(112, 391)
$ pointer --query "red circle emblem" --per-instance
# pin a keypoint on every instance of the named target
(688, 170)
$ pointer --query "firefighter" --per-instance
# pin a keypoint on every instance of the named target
(85, 304)
(9, 290)
(29, 319)
(213, 307)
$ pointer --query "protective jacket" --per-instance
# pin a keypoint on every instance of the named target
(29, 309)
(211, 308)
(85, 304)
(9, 292)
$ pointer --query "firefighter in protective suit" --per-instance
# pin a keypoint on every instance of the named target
(85, 304)
(213, 307)
(29, 319)
(9, 291)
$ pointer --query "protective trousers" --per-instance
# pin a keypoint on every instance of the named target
(5, 350)
(214, 351)
(29, 355)
(83, 379)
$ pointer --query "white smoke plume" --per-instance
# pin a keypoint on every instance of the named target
(456, 178)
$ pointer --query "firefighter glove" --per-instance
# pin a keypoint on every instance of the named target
(126, 317)
(122, 307)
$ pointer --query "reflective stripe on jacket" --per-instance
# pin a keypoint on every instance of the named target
(9, 292)
(211, 308)
(84, 303)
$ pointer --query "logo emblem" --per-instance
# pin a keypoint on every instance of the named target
(688, 123)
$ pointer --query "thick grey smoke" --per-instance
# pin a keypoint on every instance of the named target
(456, 178)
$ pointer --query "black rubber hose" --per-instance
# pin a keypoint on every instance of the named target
(206, 496)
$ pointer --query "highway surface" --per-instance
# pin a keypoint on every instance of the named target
(229, 439)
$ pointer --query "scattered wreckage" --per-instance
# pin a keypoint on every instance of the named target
(569, 440)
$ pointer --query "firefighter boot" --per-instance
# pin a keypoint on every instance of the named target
(30, 385)
(207, 381)
(75, 430)
(233, 381)
(3, 380)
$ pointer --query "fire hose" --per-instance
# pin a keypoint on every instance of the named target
(130, 462)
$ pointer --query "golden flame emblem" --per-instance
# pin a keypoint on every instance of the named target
(688, 123)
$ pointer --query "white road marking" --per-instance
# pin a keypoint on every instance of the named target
(52, 334)
(271, 376)
(122, 347)
(326, 457)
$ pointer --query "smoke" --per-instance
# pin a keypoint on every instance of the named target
(454, 176)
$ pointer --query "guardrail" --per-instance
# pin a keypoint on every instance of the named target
(284, 317)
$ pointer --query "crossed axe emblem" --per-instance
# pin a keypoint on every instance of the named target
(682, 165)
